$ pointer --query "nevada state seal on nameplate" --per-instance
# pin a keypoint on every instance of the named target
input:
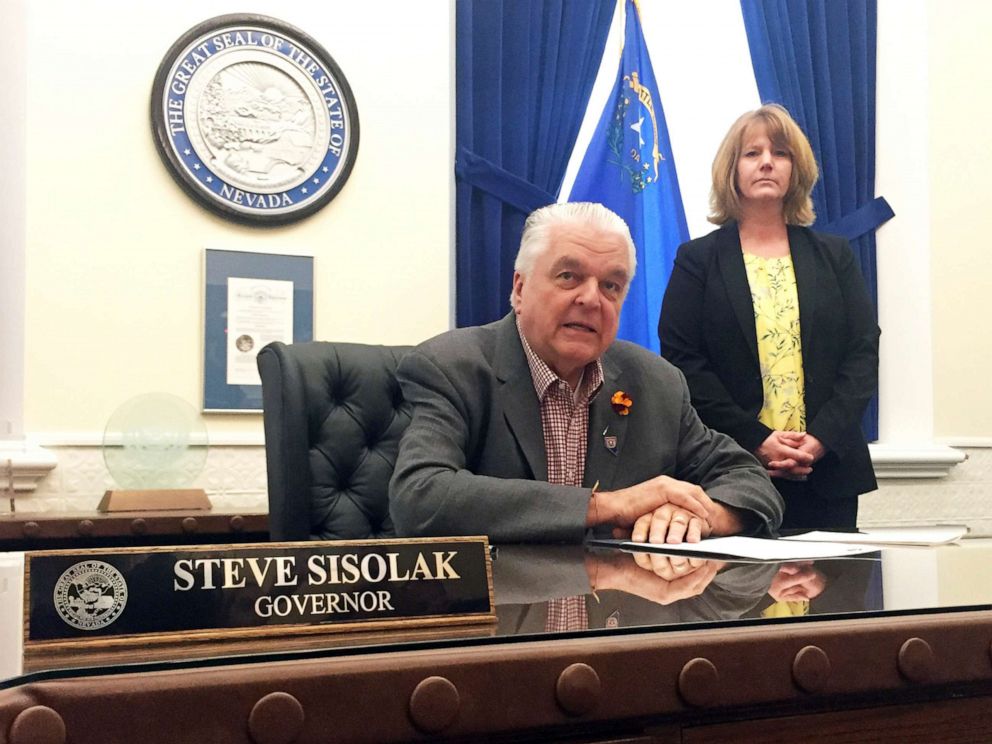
(254, 119)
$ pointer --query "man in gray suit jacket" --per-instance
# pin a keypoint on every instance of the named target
(541, 425)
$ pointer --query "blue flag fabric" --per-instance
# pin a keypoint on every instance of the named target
(629, 168)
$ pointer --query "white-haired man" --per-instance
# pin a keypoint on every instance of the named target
(541, 425)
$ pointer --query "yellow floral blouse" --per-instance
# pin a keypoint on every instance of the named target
(780, 354)
(787, 608)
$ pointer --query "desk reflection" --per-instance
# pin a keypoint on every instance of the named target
(623, 590)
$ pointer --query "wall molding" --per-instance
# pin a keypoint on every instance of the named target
(928, 460)
(22, 466)
(924, 460)
(968, 442)
(95, 439)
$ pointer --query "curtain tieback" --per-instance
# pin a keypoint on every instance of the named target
(505, 186)
(864, 219)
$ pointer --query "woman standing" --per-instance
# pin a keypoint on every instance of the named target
(772, 325)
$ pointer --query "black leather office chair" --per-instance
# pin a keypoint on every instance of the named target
(333, 415)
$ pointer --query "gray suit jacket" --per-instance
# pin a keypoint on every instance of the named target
(473, 462)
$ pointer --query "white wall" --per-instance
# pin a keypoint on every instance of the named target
(113, 247)
(960, 153)
(12, 68)
(903, 243)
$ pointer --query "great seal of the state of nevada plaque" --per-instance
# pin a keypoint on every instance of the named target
(254, 119)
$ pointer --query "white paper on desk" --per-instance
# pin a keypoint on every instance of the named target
(938, 535)
(754, 548)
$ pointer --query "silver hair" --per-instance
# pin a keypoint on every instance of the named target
(537, 231)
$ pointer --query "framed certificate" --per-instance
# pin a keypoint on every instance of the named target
(250, 300)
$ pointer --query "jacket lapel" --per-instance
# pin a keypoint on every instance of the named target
(804, 264)
(519, 400)
(602, 461)
(731, 263)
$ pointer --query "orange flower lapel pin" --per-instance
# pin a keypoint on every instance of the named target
(621, 403)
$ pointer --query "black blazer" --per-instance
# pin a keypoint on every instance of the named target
(707, 330)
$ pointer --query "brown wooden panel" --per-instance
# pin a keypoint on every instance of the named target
(505, 692)
(946, 721)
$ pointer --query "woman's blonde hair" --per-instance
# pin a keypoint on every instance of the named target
(782, 130)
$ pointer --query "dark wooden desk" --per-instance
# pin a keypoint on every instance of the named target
(23, 531)
(697, 670)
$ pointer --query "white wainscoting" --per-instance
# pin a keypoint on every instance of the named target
(233, 477)
(964, 496)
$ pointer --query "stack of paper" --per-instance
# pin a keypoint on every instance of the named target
(939, 535)
(805, 546)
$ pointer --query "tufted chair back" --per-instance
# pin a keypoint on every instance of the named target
(333, 415)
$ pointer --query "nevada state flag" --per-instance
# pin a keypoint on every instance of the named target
(629, 167)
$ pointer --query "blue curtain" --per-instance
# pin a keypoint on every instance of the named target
(817, 58)
(524, 72)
